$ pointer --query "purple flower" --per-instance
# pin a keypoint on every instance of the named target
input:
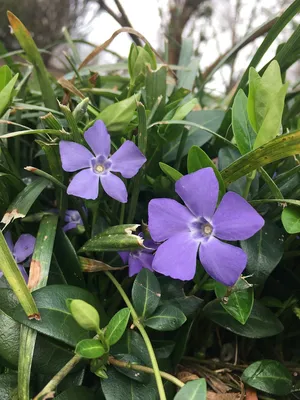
(98, 165)
(141, 258)
(185, 229)
(73, 218)
(21, 250)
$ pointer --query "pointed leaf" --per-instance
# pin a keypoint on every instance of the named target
(290, 218)
(145, 293)
(89, 348)
(193, 390)
(117, 326)
(166, 318)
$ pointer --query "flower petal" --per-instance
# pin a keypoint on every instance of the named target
(199, 191)
(166, 218)
(24, 247)
(127, 160)
(222, 261)
(9, 241)
(74, 156)
(124, 255)
(23, 272)
(177, 257)
(235, 219)
(114, 187)
(85, 184)
(69, 226)
(98, 139)
(135, 266)
(146, 259)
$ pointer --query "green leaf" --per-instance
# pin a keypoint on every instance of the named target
(243, 132)
(198, 159)
(7, 94)
(10, 336)
(8, 386)
(16, 281)
(156, 87)
(77, 393)
(24, 200)
(261, 322)
(5, 76)
(290, 218)
(171, 172)
(276, 149)
(166, 318)
(90, 348)
(193, 390)
(27, 43)
(114, 239)
(118, 115)
(239, 302)
(145, 293)
(163, 348)
(56, 319)
(269, 376)
(138, 376)
(84, 314)
(264, 251)
(116, 326)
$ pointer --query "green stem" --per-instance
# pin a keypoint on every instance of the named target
(249, 179)
(147, 370)
(53, 383)
(144, 334)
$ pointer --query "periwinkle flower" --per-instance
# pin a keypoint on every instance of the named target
(22, 249)
(98, 166)
(198, 226)
(140, 258)
(73, 219)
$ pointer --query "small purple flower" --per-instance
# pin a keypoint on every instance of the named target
(21, 250)
(99, 166)
(185, 229)
(141, 258)
(73, 218)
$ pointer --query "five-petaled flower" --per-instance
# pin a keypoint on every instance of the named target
(98, 166)
(140, 258)
(22, 249)
(185, 229)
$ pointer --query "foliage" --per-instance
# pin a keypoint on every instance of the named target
(85, 326)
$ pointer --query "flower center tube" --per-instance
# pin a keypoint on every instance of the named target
(201, 229)
(100, 164)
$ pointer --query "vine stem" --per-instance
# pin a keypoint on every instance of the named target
(137, 323)
(143, 368)
(53, 383)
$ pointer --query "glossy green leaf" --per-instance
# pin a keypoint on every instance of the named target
(132, 343)
(166, 318)
(238, 302)
(8, 386)
(90, 348)
(270, 376)
(243, 132)
(118, 115)
(114, 239)
(77, 393)
(171, 172)
(16, 281)
(56, 319)
(264, 251)
(116, 326)
(198, 159)
(24, 200)
(138, 376)
(290, 218)
(261, 322)
(27, 43)
(84, 314)
(10, 336)
(145, 293)
(193, 390)
(276, 149)
(7, 94)
(163, 348)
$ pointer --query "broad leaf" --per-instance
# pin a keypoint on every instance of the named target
(145, 293)
(269, 376)
(193, 390)
(90, 348)
(261, 322)
(77, 393)
(290, 218)
(116, 326)
(8, 386)
(138, 376)
(166, 318)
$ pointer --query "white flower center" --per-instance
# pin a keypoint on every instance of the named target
(99, 168)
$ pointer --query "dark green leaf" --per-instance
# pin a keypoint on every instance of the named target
(239, 302)
(264, 251)
(8, 386)
(242, 129)
(145, 293)
(227, 156)
(77, 393)
(10, 336)
(193, 390)
(156, 86)
(269, 376)
(166, 318)
(138, 376)
(116, 326)
(89, 348)
(290, 218)
(56, 319)
(261, 322)
(171, 172)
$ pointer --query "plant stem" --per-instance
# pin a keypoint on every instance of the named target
(53, 383)
(147, 370)
(145, 336)
(249, 179)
